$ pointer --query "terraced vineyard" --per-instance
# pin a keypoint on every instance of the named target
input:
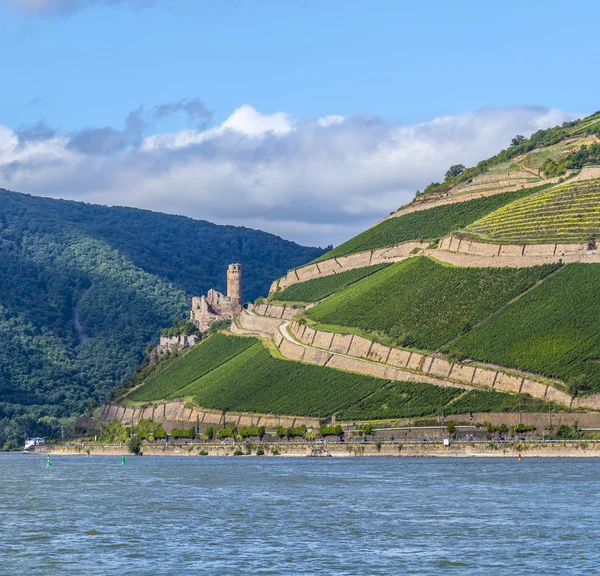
(257, 382)
(432, 223)
(552, 330)
(569, 213)
(484, 401)
(401, 400)
(200, 360)
(319, 288)
(422, 303)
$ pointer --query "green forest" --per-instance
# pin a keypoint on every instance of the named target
(84, 289)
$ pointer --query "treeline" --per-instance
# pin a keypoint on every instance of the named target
(84, 289)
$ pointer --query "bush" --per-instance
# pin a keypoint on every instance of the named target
(522, 428)
(238, 452)
(275, 452)
(135, 445)
(564, 432)
(209, 433)
(260, 452)
(186, 433)
(203, 453)
(325, 430)
(227, 432)
(251, 432)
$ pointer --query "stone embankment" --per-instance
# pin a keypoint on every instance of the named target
(351, 449)
(411, 366)
(453, 250)
(179, 415)
(386, 255)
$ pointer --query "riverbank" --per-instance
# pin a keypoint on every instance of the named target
(575, 449)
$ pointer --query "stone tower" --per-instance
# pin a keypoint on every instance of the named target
(234, 283)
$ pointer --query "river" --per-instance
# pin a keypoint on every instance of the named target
(292, 516)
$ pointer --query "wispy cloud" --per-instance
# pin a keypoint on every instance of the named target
(318, 181)
(64, 7)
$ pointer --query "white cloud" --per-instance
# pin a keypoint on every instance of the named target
(314, 181)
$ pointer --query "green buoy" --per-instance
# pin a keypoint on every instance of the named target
(123, 460)
(48, 463)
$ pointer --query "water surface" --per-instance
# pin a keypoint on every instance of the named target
(350, 516)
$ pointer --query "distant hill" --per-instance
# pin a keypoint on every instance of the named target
(85, 288)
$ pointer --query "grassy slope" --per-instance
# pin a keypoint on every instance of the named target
(432, 223)
(257, 382)
(483, 401)
(238, 374)
(553, 330)
(401, 400)
(319, 288)
(569, 213)
(422, 303)
(200, 360)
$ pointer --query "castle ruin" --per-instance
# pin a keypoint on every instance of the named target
(214, 307)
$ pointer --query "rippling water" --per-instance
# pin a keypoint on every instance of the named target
(91, 515)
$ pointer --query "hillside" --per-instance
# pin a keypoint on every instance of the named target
(256, 380)
(84, 289)
(479, 296)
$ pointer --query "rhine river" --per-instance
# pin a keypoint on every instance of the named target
(350, 516)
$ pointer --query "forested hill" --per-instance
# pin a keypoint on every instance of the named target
(85, 288)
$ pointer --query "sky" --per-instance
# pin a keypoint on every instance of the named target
(308, 119)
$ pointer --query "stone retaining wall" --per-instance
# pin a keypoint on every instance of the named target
(552, 251)
(445, 372)
(260, 324)
(280, 312)
(177, 414)
(342, 264)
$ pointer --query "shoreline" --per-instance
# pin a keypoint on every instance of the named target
(512, 450)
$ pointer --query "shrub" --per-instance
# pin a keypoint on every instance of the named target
(186, 433)
(227, 432)
(325, 430)
(238, 452)
(135, 445)
(260, 452)
(275, 452)
(203, 453)
(564, 432)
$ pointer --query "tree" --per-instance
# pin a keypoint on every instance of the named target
(518, 139)
(454, 170)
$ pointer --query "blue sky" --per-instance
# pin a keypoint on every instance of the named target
(261, 91)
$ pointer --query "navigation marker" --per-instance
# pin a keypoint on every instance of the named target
(48, 463)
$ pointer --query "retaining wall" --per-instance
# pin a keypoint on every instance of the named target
(342, 264)
(176, 414)
(441, 371)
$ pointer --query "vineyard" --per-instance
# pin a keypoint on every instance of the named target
(401, 400)
(200, 360)
(489, 401)
(569, 213)
(424, 304)
(257, 382)
(552, 330)
(432, 223)
(319, 288)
